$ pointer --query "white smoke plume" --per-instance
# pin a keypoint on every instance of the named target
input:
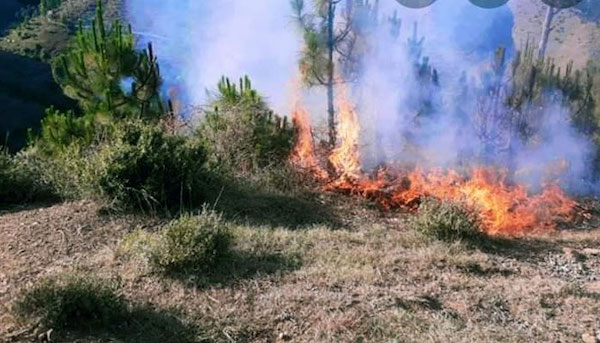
(198, 41)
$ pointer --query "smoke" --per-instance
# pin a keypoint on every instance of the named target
(199, 41)
(460, 127)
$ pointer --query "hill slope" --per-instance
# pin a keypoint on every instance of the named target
(576, 36)
(362, 282)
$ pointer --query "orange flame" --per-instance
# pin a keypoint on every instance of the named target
(504, 208)
(303, 154)
(345, 159)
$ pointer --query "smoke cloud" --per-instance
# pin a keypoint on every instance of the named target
(199, 41)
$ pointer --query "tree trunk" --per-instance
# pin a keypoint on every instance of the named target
(546, 30)
(330, 74)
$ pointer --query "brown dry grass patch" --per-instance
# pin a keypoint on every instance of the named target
(370, 280)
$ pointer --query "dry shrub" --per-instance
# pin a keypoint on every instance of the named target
(241, 135)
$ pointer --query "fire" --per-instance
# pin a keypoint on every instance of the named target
(304, 155)
(345, 159)
(504, 208)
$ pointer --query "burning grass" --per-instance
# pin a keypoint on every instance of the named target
(503, 207)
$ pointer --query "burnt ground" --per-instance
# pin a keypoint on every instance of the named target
(368, 278)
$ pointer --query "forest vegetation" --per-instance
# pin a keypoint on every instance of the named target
(123, 221)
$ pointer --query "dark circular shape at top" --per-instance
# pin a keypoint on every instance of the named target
(561, 3)
(488, 3)
(416, 3)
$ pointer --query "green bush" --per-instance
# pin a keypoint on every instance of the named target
(127, 165)
(21, 181)
(70, 172)
(193, 243)
(447, 221)
(187, 244)
(72, 302)
(61, 130)
(241, 135)
(143, 167)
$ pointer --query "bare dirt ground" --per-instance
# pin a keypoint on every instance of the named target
(369, 279)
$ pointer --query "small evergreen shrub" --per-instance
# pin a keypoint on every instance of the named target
(60, 130)
(241, 135)
(72, 302)
(144, 167)
(192, 243)
(446, 221)
(100, 59)
(187, 244)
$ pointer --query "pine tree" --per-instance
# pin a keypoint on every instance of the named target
(323, 40)
(539, 82)
(98, 65)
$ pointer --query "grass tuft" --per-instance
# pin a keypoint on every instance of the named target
(73, 301)
(187, 244)
(446, 221)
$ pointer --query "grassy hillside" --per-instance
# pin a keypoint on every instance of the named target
(126, 224)
(26, 84)
(46, 35)
(365, 278)
(576, 36)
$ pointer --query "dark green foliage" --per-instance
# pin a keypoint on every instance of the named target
(241, 134)
(145, 168)
(92, 71)
(447, 221)
(231, 95)
(73, 302)
(20, 181)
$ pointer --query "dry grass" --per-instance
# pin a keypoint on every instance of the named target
(371, 280)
